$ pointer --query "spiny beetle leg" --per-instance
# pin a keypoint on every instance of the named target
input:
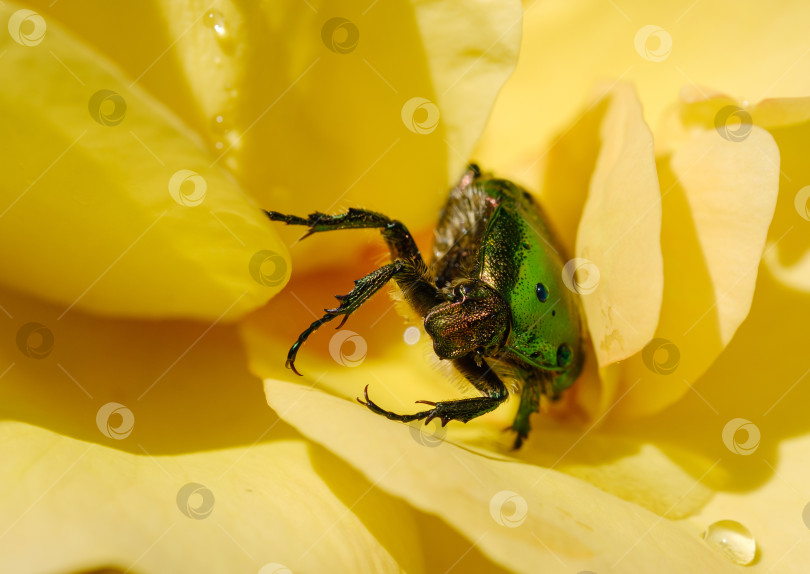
(463, 410)
(396, 235)
(363, 289)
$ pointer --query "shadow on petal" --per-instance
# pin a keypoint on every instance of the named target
(178, 386)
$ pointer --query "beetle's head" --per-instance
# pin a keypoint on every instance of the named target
(476, 318)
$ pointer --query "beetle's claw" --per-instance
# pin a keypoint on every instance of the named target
(290, 364)
(368, 402)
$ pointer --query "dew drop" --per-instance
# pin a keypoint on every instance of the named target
(216, 21)
(733, 540)
(234, 139)
(412, 335)
(218, 121)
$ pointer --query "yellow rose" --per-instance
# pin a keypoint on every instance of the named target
(144, 445)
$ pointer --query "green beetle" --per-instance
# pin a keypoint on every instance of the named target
(493, 299)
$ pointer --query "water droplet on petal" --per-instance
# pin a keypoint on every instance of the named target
(234, 139)
(733, 540)
(216, 21)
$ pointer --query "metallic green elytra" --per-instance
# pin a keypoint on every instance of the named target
(493, 297)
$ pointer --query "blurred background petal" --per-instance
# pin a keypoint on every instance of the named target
(112, 204)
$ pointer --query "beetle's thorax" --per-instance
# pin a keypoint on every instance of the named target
(476, 319)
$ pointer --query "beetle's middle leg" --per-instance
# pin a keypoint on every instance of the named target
(530, 393)
(364, 288)
(464, 410)
(399, 270)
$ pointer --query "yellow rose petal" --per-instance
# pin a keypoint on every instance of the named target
(523, 517)
(568, 46)
(138, 39)
(620, 272)
(149, 446)
(731, 210)
(748, 413)
(718, 200)
(658, 475)
(787, 255)
(113, 205)
(87, 506)
(352, 106)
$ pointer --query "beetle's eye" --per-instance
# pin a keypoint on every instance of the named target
(564, 355)
(463, 291)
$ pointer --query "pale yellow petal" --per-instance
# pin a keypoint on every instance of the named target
(776, 512)
(524, 517)
(748, 413)
(753, 52)
(731, 210)
(112, 204)
(660, 476)
(87, 506)
(620, 271)
(787, 255)
(718, 199)
(105, 427)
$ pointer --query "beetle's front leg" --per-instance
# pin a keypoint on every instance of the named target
(463, 410)
(396, 235)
